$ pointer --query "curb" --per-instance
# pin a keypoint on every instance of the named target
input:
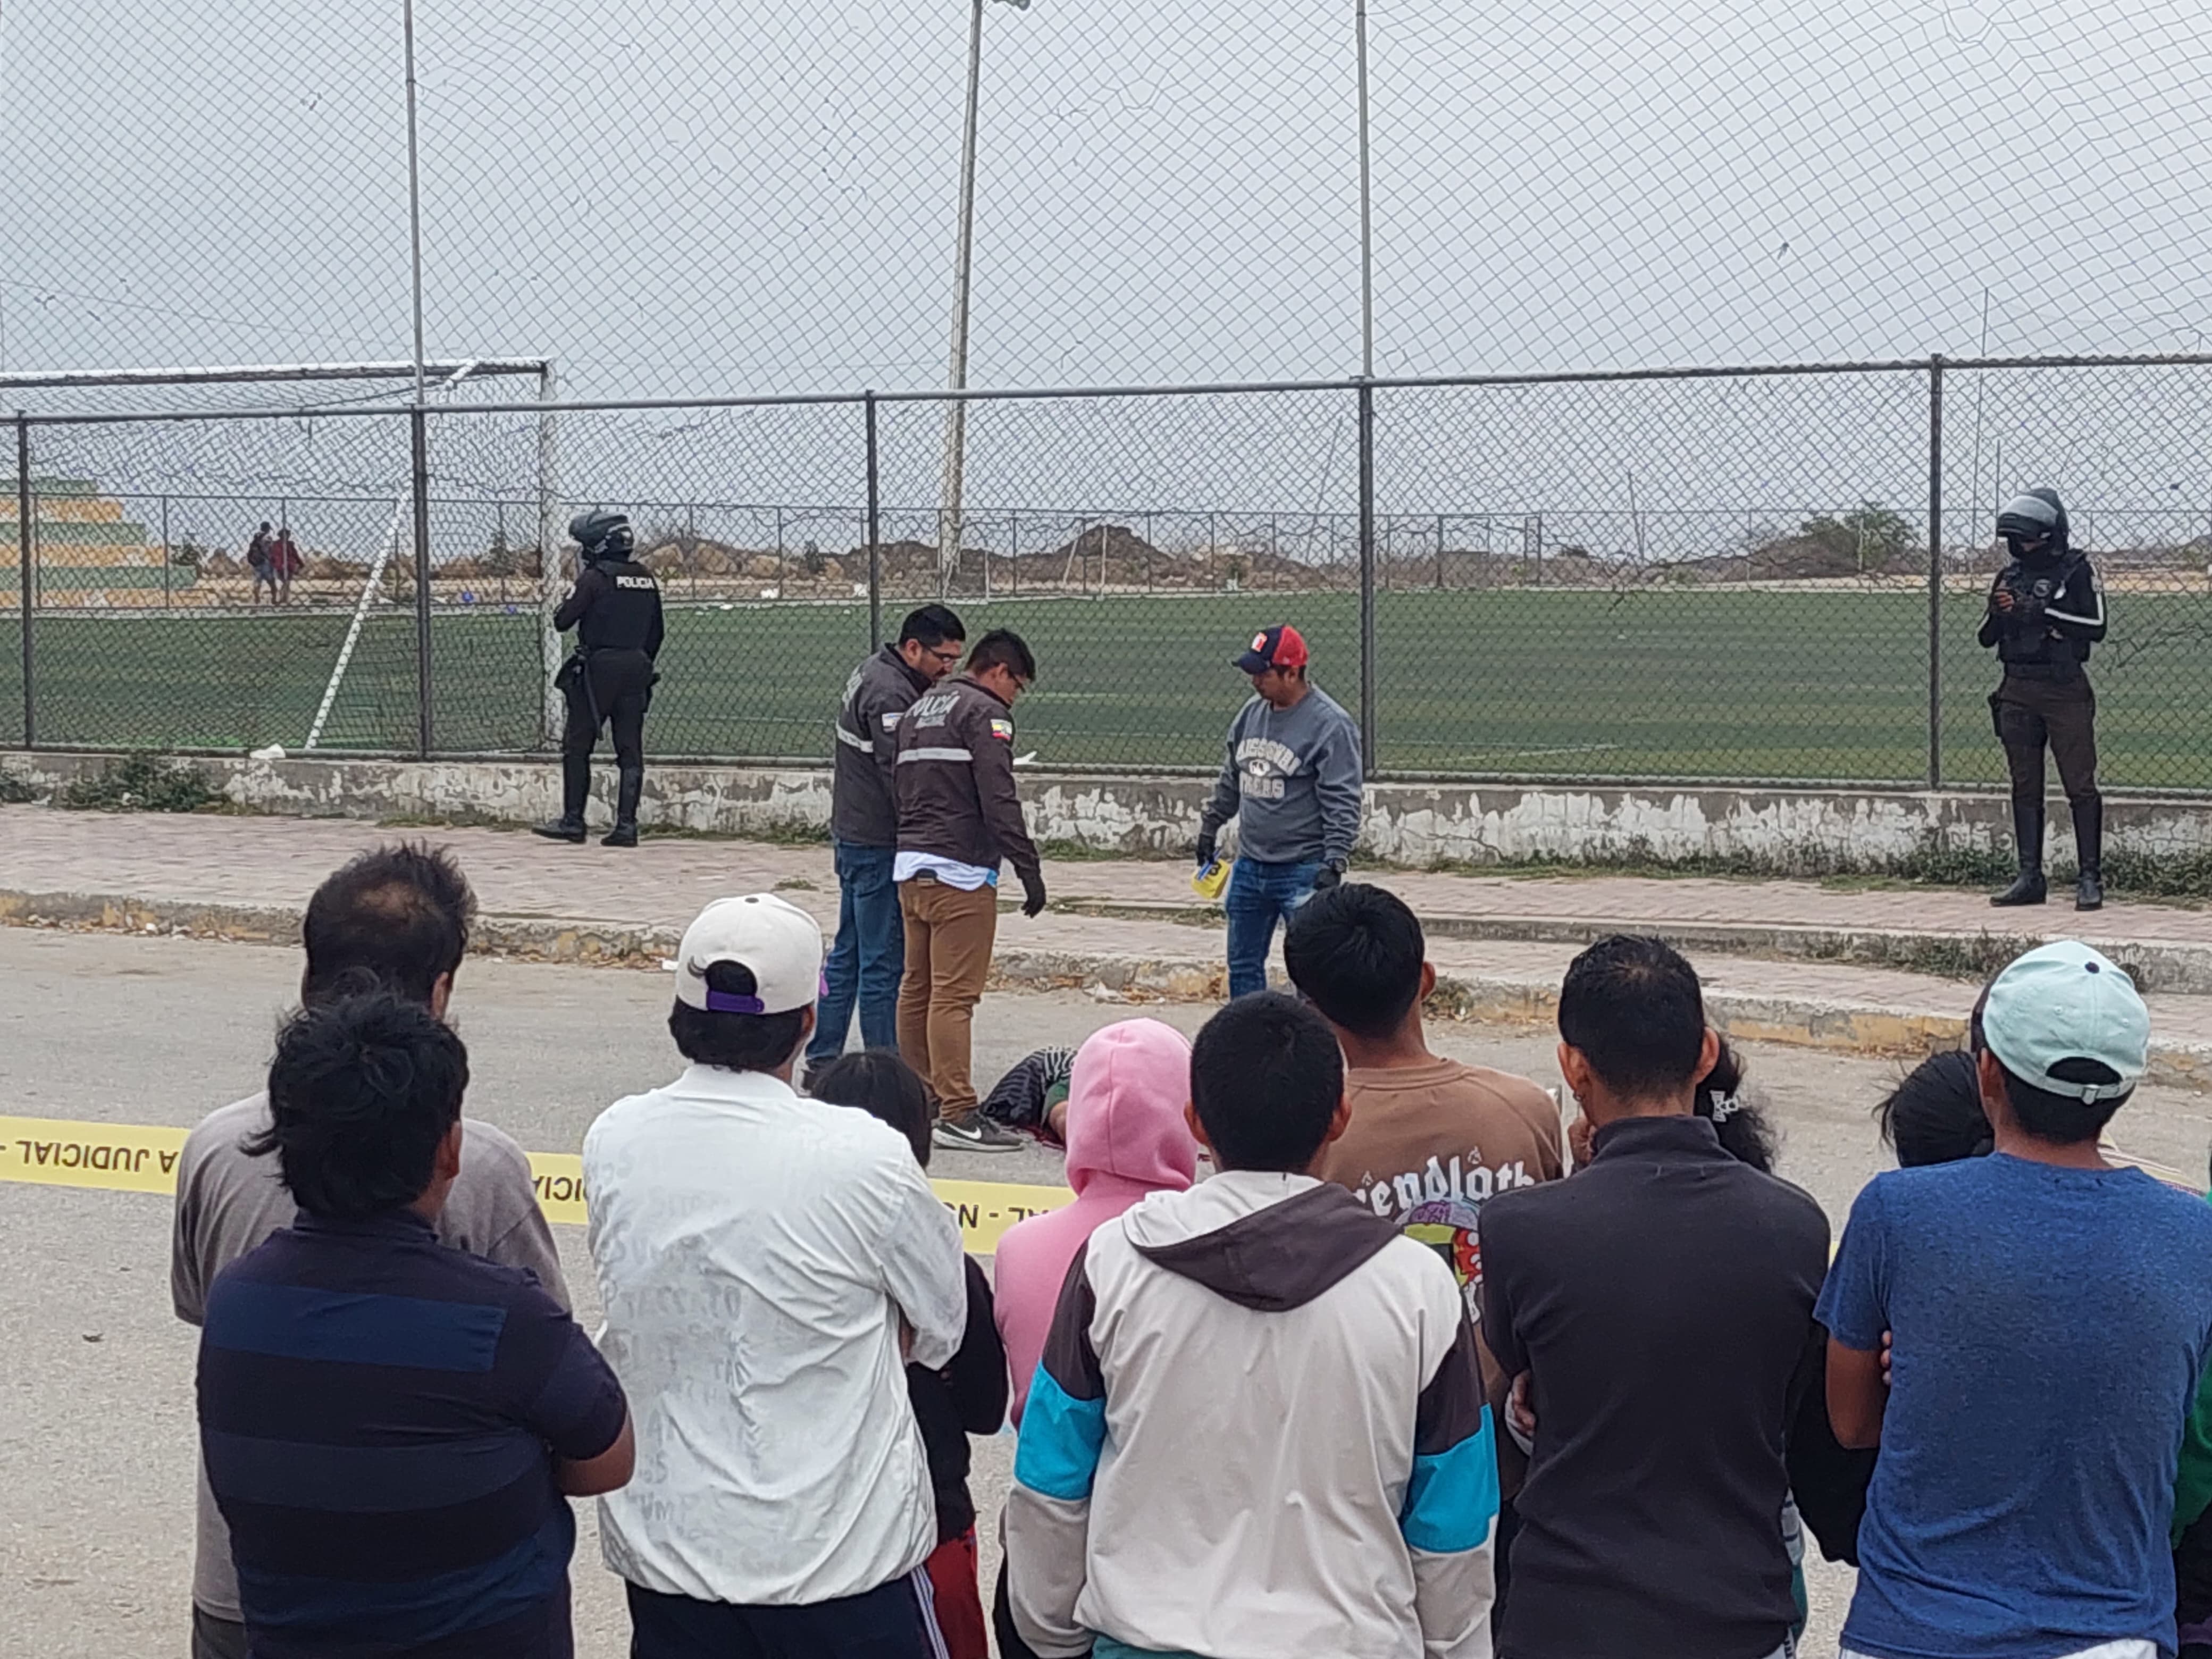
(2184, 969)
(1838, 1027)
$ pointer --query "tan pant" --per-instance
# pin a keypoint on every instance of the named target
(948, 955)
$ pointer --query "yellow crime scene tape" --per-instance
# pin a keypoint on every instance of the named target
(129, 1158)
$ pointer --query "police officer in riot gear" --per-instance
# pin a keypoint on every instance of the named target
(2046, 612)
(614, 608)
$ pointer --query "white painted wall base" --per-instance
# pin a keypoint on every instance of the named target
(1409, 825)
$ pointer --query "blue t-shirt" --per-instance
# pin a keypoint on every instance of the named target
(2049, 1326)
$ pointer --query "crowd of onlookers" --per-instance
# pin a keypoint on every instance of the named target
(1330, 1354)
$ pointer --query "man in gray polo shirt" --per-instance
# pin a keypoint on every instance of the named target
(398, 918)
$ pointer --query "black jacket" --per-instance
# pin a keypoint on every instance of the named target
(863, 804)
(614, 606)
(2057, 614)
(969, 1396)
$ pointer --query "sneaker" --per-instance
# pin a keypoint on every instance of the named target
(974, 1132)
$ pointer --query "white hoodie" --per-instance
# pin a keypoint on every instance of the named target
(1258, 1430)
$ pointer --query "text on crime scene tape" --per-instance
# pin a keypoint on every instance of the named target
(126, 1158)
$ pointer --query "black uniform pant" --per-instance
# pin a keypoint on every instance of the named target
(613, 691)
(2062, 714)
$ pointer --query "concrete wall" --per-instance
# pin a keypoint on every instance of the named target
(1411, 824)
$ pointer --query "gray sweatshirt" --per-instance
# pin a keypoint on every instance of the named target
(1290, 778)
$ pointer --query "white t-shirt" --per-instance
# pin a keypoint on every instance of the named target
(953, 874)
(755, 1253)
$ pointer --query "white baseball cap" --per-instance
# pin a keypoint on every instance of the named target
(779, 943)
(2064, 1001)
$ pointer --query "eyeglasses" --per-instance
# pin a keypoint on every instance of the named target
(949, 658)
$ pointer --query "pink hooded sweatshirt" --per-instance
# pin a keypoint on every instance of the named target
(1126, 1137)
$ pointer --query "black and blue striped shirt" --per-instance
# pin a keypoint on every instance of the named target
(380, 1415)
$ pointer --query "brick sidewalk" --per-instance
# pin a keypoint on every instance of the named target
(277, 863)
(266, 860)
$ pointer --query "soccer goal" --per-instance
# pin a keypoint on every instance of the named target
(227, 556)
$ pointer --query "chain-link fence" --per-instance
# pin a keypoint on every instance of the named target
(691, 197)
(1753, 575)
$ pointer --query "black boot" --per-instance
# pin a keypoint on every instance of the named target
(628, 788)
(2089, 853)
(575, 790)
(2029, 887)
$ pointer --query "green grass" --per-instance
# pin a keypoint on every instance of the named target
(1675, 682)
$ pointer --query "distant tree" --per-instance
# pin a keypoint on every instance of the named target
(1870, 536)
(500, 558)
(813, 558)
(186, 553)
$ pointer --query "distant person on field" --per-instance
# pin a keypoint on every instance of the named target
(1660, 1302)
(1292, 780)
(285, 562)
(392, 1428)
(1431, 1140)
(959, 817)
(1258, 1429)
(261, 560)
(396, 918)
(966, 1396)
(2048, 1317)
(769, 1266)
(869, 954)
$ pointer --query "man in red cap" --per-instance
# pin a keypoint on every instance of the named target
(1292, 780)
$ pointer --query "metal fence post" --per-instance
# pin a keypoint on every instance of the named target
(418, 424)
(1368, 712)
(1936, 571)
(552, 713)
(875, 537)
(25, 538)
(167, 559)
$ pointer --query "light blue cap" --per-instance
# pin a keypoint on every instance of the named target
(2065, 1001)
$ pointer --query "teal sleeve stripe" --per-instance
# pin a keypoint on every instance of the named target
(1058, 1453)
(1451, 1502)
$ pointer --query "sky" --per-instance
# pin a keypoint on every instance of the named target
(682, 197)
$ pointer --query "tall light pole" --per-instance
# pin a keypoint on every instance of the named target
(955, 414)
(1366, 209)
(414, 193)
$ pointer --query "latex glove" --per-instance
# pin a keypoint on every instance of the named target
(1032, 895)
(1331, 875)
(1206, 841)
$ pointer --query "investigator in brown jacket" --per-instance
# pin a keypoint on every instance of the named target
(959, 816)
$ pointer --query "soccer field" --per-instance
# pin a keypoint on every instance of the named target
(1680, 682)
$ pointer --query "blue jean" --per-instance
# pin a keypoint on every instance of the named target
(867, 958)
(1259, 895)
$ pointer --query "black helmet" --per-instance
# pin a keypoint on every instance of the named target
(602, 535)
(2037, 516)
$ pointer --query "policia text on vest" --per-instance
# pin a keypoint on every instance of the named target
(2046, 612)
(614, 608)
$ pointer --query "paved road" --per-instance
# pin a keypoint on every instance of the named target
(96, 1436)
